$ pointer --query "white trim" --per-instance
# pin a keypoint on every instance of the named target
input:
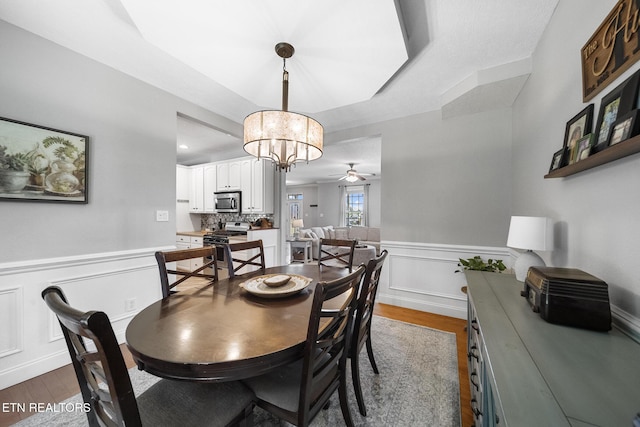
(75, 261)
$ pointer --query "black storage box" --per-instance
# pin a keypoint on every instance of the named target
(568, 296)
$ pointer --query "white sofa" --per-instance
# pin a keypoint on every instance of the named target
(364, 235)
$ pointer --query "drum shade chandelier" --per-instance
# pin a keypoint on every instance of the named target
(280, 135)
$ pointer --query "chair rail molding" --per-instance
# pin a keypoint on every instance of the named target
(118, 283)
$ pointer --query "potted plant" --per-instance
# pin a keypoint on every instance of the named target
(13, 174)
(477, 263)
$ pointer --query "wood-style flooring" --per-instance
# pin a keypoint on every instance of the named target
(60, 384)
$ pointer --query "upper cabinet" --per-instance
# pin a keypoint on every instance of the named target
(257, 186)
(228, 176)
(210, 187)
(196, 190)
(255, 178)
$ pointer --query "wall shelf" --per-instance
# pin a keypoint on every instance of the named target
(610, 154)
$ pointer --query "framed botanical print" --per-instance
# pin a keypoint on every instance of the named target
(38, 163)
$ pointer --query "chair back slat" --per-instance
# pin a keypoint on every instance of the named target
(102, 374)
(336, 253)
(366, 301)
(327, 342)
(235, 263)
(206, 254)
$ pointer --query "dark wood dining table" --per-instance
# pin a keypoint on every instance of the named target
(221, 332)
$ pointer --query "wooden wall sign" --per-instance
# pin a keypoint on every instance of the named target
(612, 49)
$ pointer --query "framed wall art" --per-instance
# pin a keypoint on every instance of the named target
(624, 128)
(615, 104)
(558, 159)
(583, 148)
(38, 163)
(578, 127)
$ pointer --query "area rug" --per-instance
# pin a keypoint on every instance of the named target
(417, 385)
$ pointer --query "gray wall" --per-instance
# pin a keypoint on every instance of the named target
(444, 181)
(132, 154)
(598, 210)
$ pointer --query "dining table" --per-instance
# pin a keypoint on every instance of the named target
(228, 329)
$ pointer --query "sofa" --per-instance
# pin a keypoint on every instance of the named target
(363, 235)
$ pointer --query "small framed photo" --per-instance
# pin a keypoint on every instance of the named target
(624, 128)
(583, 147)
(557, 161)
(614, 105)
(578, 127)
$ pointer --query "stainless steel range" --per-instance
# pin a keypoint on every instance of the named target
(218, 238)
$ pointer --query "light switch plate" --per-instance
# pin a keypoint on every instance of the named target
(162, 216)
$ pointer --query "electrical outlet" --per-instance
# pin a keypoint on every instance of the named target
(130, 304)
(162, 216)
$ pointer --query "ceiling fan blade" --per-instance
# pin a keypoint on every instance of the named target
(344, 177)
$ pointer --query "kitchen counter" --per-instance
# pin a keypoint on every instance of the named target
(192, 233)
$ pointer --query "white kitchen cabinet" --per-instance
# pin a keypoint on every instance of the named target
(183, 183)
(228, 176)
(257, 186)
(209, 187)
(196, 193)
(186, 242)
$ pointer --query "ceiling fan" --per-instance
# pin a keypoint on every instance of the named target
(352, 175)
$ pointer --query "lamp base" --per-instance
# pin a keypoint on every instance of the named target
(524, 261)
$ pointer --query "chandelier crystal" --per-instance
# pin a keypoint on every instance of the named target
(282, 136)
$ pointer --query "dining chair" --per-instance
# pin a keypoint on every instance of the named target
(235, 263)
(298, 391)
(207, 256)
(362, 324)
(336, 253)
(106, 386)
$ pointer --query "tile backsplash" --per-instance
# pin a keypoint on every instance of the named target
(213, 221)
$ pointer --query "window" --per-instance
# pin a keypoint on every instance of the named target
(355, 214)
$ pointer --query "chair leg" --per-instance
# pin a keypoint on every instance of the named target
(357, 387)
(344, 405)
(371, 358)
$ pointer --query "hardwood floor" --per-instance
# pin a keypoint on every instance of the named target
(58, 385)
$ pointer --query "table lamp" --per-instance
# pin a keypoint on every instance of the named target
(531, 233)
(297, 224)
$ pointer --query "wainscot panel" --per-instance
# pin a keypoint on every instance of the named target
(118, 283)
(422, 276)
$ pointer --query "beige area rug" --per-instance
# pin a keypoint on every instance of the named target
(417, 386)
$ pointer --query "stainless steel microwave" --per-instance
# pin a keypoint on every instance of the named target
(227, 201)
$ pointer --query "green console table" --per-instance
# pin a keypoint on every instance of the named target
(525, 371)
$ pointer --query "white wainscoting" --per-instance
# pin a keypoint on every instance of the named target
(422, 276)
(31, 342)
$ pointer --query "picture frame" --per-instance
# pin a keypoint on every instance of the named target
(42, 164)
(579, 126)
(583, 148)
(558, 159)
(614, 105)
(624, 128)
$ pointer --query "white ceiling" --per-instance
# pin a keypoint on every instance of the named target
(463, 56)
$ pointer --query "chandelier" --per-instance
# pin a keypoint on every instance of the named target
(280, 135)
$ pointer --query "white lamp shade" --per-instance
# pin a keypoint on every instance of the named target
(297, 223)
(530, 233)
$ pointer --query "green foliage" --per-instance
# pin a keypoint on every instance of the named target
(14, 162)
(67, 149)
(477, 263)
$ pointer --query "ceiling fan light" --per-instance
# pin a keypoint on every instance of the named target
(351, 178)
